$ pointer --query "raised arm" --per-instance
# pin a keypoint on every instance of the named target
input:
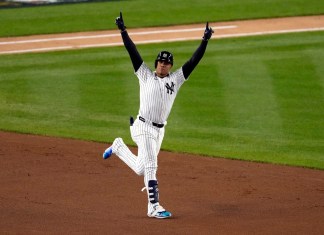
(190, 65)
(129, 44)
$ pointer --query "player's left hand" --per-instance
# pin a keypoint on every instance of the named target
(208, 32)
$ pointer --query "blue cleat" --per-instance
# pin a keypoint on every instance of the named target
(108, 152)
(160, 213)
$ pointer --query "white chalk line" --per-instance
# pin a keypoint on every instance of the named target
(113, 35)
(164, 40)
(271, 32)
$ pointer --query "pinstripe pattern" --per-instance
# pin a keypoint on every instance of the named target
(156, 99)
(148, 139)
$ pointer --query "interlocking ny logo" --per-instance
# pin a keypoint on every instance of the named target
(170, 88)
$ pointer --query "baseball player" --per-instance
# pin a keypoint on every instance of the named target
(158, 90)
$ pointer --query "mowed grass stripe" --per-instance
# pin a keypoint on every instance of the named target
(250, 103)
(249, 98)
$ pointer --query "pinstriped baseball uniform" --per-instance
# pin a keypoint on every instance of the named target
(157, 96)
(156, 99)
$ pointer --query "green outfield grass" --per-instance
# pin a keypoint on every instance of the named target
(256, 98)
(142, 13)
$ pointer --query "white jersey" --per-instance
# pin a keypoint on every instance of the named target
(157, 94)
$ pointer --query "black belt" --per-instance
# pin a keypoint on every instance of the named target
(158, 125)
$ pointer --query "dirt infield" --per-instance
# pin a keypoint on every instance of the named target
(41, 43)
(63, 186)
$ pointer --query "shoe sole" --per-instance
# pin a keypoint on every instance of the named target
(161, 216)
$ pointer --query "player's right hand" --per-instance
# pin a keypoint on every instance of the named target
(208, 32)
(120, 22)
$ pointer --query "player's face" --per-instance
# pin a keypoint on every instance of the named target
(163, 68)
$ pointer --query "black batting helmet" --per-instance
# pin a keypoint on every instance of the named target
(164, 56)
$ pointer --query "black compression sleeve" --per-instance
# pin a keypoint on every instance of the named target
(132, 51)
(189, 66)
